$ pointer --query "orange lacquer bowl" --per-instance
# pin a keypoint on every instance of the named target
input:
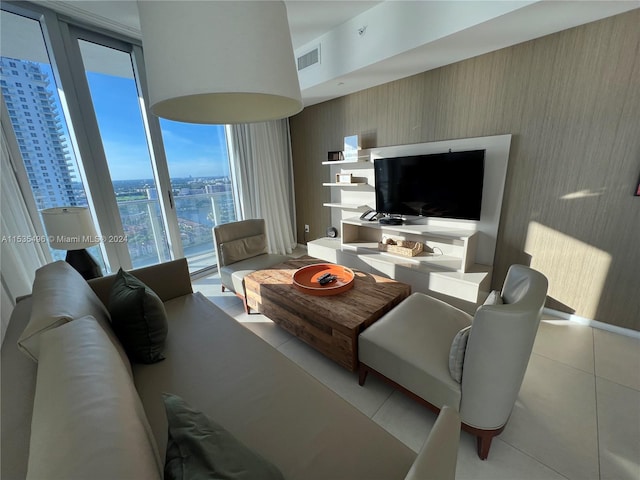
(306, 279)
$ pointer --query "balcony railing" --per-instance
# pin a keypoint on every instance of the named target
(197, 215)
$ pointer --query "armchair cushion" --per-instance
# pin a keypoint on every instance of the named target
(456, 354)
(411, 345)
(243, 248)
(228, 233)
(232, 276)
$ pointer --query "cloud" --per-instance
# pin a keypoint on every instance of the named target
(171, 137)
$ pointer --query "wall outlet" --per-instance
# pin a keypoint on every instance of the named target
(306, 229)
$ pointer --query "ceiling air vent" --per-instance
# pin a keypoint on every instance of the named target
(310, 58)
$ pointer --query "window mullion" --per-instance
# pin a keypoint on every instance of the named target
(159, 160)
(89, 143)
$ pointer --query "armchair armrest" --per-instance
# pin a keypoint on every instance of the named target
(168, 280)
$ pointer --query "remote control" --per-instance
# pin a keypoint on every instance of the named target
(323, 277)
(330, 278)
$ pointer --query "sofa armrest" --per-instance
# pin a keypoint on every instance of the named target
(438, 457)
(88, 420)
(168, 280)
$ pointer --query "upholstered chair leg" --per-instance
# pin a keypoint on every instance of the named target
(362, 374)
(483, 438)
(223, 289)
(484, 444)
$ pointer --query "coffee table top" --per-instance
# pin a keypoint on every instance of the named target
(370, 298)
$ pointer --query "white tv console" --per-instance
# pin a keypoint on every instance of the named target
(458, 262)
(446, 270)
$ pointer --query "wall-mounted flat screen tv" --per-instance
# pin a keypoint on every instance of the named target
(445, 185)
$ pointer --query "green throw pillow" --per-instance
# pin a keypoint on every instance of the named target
(138, 318)
(199, 448)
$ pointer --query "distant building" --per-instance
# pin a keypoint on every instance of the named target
(215, 188)
(38, 128)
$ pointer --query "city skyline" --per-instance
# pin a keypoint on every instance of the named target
(196, 157)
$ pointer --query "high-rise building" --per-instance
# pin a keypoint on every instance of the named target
(36, 121)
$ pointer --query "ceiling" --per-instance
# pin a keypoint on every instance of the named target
(308, 19)
(367, 43)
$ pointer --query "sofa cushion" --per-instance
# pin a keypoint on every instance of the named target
(243, 248)
(456, 354)
(198, 447)
(88, 421)
(60, 295)
(265, 400)
(138, 318)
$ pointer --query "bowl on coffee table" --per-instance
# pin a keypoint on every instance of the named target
(308, 279)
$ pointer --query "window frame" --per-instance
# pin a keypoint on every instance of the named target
(61, 36)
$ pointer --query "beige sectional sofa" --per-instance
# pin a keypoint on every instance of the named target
(83, 411)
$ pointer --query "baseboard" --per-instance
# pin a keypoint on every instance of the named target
(627, 332)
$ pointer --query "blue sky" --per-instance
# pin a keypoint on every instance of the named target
(191, 150)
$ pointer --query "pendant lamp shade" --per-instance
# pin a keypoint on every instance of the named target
(219, 62)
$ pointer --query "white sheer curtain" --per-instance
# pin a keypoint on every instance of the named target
(23, 248)
(262, 170)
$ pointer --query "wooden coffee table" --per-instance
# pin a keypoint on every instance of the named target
(330, 324)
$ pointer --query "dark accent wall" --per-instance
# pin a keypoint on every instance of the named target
(571, 100)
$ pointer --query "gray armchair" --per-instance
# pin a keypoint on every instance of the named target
(242, 249)
(425, 348)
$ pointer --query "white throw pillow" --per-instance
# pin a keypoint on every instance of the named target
(494, 298)
(456, 354)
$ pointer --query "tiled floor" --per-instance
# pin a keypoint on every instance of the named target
(577, 415)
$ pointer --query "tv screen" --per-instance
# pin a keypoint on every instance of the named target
(445, 185)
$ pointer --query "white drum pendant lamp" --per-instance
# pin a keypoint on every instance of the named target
(219, 62)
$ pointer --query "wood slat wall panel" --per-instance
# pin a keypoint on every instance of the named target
(572, 102)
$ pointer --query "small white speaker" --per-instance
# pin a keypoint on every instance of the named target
(332, 232)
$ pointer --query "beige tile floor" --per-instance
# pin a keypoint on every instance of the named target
(577, 415)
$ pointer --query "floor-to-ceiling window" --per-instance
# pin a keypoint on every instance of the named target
(203, 194)
(31, 94)
(160, 185)
(116, 104)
